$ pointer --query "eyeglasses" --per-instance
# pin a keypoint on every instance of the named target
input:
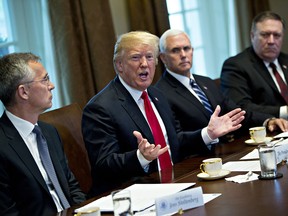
(45, 80)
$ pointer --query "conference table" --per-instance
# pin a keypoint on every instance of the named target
(259, 197)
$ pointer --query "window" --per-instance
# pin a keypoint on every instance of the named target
(25, 27)
(211, 28)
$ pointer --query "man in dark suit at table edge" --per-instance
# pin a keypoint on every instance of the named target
(249, 79)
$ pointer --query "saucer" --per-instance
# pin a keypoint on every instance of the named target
(252, 142)
(206, 176)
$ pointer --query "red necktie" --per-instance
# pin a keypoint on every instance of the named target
(281, 83)
(164, 159)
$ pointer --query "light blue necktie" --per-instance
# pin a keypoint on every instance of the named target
(48, 165)
(202, 96)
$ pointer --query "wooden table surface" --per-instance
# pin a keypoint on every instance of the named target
(260, 197)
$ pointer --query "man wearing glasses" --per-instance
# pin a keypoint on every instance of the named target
(34, 175)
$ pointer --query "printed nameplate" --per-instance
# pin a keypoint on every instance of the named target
(182, 200)
(281, 152)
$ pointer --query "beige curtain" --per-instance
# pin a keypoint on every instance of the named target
(151, 16)
(246, 10)
(84, 37)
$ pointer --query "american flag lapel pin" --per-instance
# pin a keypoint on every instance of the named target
(285, 67)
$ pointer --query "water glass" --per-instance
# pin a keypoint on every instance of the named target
(122, 203)
(268, 161)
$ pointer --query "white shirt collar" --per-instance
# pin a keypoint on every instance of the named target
(136, 94)
(183, 79)
(23, 127)
(275, 62)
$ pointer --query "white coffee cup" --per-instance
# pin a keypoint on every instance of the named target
(211, 166)
(258, 134)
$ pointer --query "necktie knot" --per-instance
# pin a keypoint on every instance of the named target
(273, 66)
(144, 95)
(37, 130)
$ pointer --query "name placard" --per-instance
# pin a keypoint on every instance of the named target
(281, 152)
(182, 200)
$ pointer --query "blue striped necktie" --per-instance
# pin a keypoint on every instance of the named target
(202, 96)
(48, 165)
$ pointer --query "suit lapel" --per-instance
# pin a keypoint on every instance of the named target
(132, 110)
(182, 91)
(209, 93)
(284, 65)
(18, 145)
(262, 70)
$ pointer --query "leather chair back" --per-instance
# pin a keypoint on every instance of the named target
(67, 121)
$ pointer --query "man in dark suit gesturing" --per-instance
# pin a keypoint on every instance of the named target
(26, 186)
(249, 79)
(178, 85)
(115, 125)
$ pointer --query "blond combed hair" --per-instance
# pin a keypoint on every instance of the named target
(134, 38)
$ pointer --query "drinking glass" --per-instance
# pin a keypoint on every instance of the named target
(122, 203)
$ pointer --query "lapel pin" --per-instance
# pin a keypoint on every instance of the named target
(285, 67)
(156, 98)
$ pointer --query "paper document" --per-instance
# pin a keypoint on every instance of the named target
(251, 155)
(142, 196)
(284, 135)
(151, 211)
(242, 166)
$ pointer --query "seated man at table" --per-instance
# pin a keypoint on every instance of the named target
(129, 129)
(34, 175)
(193, 110)
(256, 78)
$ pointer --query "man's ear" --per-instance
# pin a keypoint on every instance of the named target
(23, 92)
(163, 58)
(119, 66)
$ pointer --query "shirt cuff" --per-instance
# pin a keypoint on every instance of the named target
(143, 161)
(206, 138)
(283, 112)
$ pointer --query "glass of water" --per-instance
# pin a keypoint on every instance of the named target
(122, 203)
(268, 161)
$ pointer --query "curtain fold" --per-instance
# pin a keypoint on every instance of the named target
(246, 10)
(84, 38)
(151, 16)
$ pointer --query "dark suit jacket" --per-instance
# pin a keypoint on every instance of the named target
(190, 112)
(246, 80)
(109, 120)
(23, 190)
